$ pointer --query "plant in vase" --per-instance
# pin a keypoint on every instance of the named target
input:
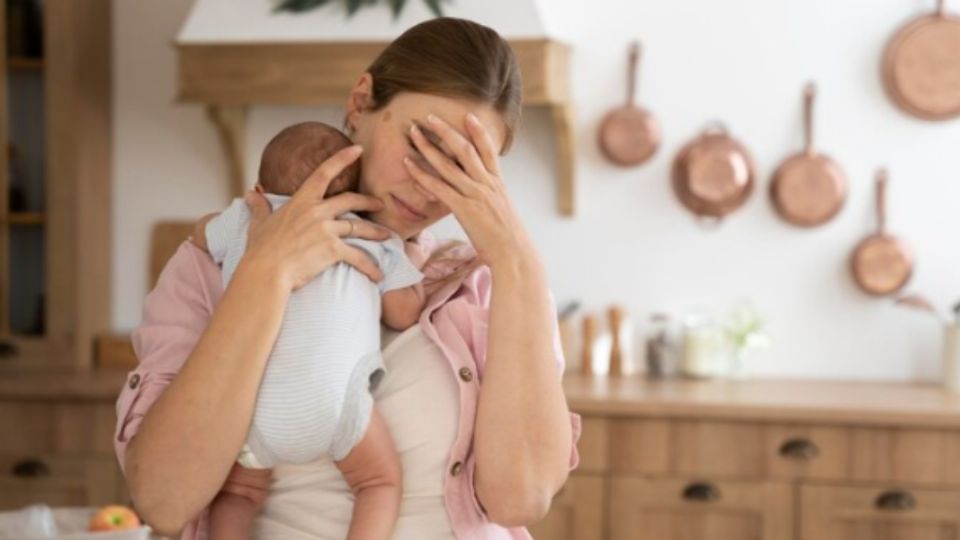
(745, 332)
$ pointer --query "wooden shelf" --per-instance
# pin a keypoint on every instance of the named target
(25, 64)
(27, 218)
(229, 77)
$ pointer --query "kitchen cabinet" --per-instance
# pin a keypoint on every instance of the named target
(58, 439)
(771, 460)
(55, 185)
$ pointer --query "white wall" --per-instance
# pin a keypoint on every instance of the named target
(742, 61)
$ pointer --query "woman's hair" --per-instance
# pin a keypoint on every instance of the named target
(454, 58)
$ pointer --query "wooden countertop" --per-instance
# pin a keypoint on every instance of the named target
(61, 383)
(833, 402)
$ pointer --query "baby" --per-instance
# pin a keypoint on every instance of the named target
(315, 397)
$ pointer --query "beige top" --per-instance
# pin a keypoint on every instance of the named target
(419, 403)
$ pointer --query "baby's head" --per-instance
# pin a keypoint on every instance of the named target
(296, 151)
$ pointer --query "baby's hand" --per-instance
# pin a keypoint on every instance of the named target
(199, 237)
(416, 253)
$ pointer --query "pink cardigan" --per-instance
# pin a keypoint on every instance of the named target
(176, 313)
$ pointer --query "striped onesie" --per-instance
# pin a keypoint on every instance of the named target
(314, 398)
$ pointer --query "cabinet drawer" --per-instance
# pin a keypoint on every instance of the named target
(43, 427)
(867, 513)
(688, 447)
(576, 512)
(59, 481)
(699, 509)
(863, 454)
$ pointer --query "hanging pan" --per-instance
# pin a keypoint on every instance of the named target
(809, 188)
(921, 66)
(629, 135)
(881, 264)
(713, 175)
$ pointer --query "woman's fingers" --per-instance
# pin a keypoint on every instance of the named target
(440, 189)
(258, 204)
(462, 147)
(484, 144)
(357, 258)
(361, 228)
(315, 186)
(352, 202)
(444, 166)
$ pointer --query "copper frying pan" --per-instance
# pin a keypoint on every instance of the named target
(713, 175)
(921, 66)
(882, 264)
(629, 135)
(809, 188)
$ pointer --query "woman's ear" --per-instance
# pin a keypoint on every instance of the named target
(360, 98)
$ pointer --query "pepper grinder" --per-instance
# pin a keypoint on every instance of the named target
(615, 317)
(589, 339)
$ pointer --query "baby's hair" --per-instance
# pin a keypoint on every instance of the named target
(294, 153)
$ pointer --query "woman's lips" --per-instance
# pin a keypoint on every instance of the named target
(408, 211)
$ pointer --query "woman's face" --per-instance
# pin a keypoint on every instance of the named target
(385, 137)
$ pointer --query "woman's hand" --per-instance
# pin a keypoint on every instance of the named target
(471, 186)
(304, 237)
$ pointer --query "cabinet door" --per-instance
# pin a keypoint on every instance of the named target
(60, 481)
(576, 513)
(878, 513)
(695, 509)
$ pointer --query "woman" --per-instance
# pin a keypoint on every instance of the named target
(473, 392)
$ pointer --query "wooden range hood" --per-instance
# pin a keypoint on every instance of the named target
(231, 76)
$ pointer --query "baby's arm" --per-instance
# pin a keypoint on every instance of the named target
(199, 237)
(402, 307)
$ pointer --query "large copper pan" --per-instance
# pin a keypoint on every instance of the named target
(809, 188)
(921, 66)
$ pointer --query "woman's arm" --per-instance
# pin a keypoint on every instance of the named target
(190, 437)
(523, 432)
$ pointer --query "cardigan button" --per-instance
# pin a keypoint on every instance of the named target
(134, 381)
(457, 467)
(466, 375)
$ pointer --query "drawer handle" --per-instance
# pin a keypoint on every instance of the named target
(799, 449)
(896, 500)
(30, 468)
(701, 492)
(7, 350)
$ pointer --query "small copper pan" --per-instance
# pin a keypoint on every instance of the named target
(881, 263)
(713, 175)
(809, 188)
(921, 66)
(629, 135)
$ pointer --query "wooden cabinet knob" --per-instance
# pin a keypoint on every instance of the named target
(701, 492)
(799, 449)
(896, 500)
(30, 468)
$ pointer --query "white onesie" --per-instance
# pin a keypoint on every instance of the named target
(315, 398)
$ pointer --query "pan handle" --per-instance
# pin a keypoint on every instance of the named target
(633, 62)
(809, 96)
(882, 199)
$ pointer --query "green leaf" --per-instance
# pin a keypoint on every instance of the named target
(353, 6)
(298, 6)
(397, 6)
(434, 6)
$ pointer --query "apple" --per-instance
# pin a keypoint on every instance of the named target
(113, 518)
